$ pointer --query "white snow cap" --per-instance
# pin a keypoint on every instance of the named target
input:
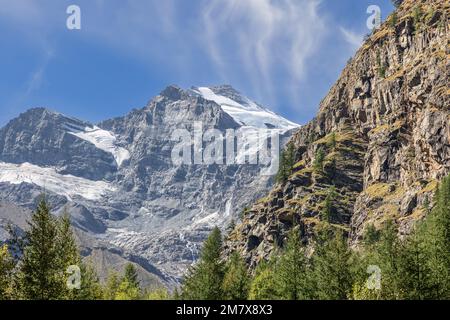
(245, 111)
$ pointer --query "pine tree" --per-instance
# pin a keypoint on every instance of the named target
(318, 160)
(371, 236)
(159, 294)
(327, 211)
(112, 285)
(263, 286)
(204, 279)
(231, 226)
(386, 256)
(236, 280)
(131, 275)
(287, 161)
(413, 269)
(90, 288)
(432, 238)
(292, 270)
(6, 276)
(67, 253)
(41, 272)
(127, 291)
(332, 266)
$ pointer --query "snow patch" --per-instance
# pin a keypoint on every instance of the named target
(48, 178)
(249, 113)
(102, 139)
(209, 219)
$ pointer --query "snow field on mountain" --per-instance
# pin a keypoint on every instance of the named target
(49, 179)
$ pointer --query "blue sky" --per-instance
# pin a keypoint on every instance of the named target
(284, 54)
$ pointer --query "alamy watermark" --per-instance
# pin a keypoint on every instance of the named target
(374, 20)
(374, 280)
(241, 146)
(73, 22)
(74, 280)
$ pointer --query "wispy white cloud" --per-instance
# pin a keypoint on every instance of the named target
(355, 40)
(37, 76)
(263, 36)
(262, 46)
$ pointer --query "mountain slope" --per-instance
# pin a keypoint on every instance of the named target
(120, 183)
(384, 135)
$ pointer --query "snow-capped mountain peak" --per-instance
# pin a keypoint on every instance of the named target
(242, 109)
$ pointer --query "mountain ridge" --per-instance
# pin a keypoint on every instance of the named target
(118, 180)
(377, 147)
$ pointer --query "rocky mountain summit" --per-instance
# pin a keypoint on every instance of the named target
(378, 146)
(120, 184)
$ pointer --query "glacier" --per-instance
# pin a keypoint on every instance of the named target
(49, 179)
(103, 140)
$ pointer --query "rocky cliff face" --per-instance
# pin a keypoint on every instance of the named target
(383, 131)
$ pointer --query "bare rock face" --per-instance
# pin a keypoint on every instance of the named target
(385, 130)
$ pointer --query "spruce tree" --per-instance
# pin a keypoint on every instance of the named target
(127, 291)
(433, 237)
(292, 270)
(41, 272)
(287, 161)
(263, 286)
(236, 280)
(131, 275)
(327, 210)
(386, 257)
(318, 160)
(6, 275)
(112, 285)
(67, 253)
(413, 268)
(90, 288)
(332, 266)
(204, 279)
(159, 294)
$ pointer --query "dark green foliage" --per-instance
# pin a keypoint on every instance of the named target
(6, 275)
(393, 20)
(327, 211)
(204, 279)
(90, 288)
(318, 160)
(381, 66)
(263, 286)
(417, 267)
(292, 270)
(42, 272)
(287, 161)
(371, 235)
(236, 281)
(332, 266)
(131, 275)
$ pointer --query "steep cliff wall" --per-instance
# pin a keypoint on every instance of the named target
(383, 132)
